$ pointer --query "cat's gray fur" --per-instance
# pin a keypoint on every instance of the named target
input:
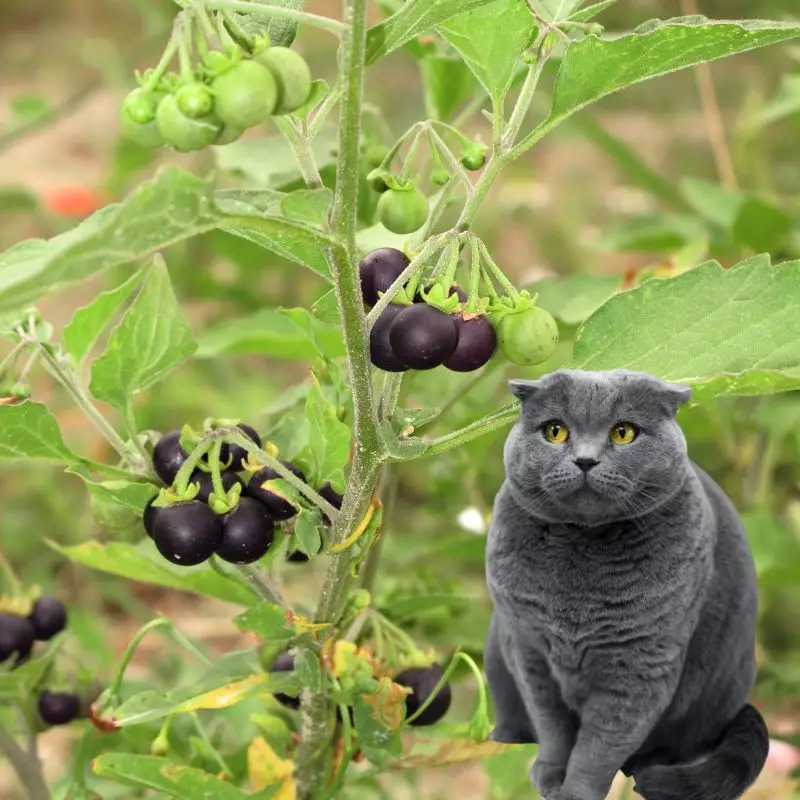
(624, 600)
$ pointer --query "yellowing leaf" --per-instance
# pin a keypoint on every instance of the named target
(456, 751)
(265, 768)
(303, 624)
(224, 696)
(388, 704)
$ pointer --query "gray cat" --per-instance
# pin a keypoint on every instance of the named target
(624, 598)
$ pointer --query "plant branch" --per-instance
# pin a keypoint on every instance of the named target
(266, 10)
(299, 144)
(26, 766)
(262, 583)
(501, 418)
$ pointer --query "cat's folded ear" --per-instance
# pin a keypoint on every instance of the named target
(671, 396)
(525, 390)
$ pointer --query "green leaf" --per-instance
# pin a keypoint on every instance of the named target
(786, 103)
(311, 206)
(273, 333)
(592, 67)
(761, 225)
(590, 12)
(172, 207)
(150, 341)
(722, 331)
(653, 233)
(130, 495)
(144, 564)
(571, 300)
(281, 30)
(307, 535)
(267, 621)
(165, 776)
(491, 40)
(25, 678)
(448, 83)
(307, 667)
(412, 19)
(29, 431)
(712, 201)
(555, 10)
(328, 438)
(629, 162)
(87, 323)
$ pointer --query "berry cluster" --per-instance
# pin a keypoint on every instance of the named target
(422, 335)
(47, 618)
(189, 531)
(420, 680)
(225, 95)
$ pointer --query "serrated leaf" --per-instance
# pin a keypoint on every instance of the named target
(491, 40)
(412, 19)
(273, 333)
(593, 67)
(144, 564)
(87, 323)
(164, 775)
(721, 331)
(267, 621)
(328, 437)
(174, 206)
(150, 341)
(29, 431)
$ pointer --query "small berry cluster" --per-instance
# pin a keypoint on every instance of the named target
(190, 531)
(228, 93)
(420, 680)
(47, 618)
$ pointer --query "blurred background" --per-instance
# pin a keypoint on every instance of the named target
(633, 185)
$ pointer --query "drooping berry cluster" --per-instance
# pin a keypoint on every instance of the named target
(426, 331)
(227, 93)
(188, 532)
(18, 634)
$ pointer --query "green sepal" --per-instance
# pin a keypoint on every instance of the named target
(400, 299)
(440, 177)
(438, 295)
(167, 497)
(189, 439)
(222, 505)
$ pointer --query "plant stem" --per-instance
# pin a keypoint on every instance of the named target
(27, 767)
(181, 482)
(261, 582)
(499, 419)
(490, 174)
(299, 144)
(266, 10)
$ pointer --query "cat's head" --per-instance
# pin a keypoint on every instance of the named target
(595, 447)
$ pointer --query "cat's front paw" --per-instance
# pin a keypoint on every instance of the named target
(548, 777)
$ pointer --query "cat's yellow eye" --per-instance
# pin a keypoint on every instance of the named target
(556, 432)
(623, 433)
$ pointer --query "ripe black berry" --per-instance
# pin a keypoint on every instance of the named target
(279, 508)
(150, 515)
(168, 456)
(187, 533)
(17, 635)
(422, 681)
(285, 663)
(247, 532)
(237, 453)
(477, 342)
(380, 350)
(328, 493)
(58, 708)
(229, 480)
(48, 618)
(379, 270)
(422, 337)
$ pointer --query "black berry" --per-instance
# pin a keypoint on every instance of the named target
(279, 508)
(379, 270)
(17, 635)
(237, 453)
(422, 681)
(380, 349)
(58, 708)
(328, 493)
(168, 456)
(48, 617)
(285, 663)
(477, 342)
(422, 337)
(150, 515)
(247, 532)
(229, 480)
(187, 533)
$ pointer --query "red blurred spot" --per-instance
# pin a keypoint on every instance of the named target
(104, 725)
(73, 201)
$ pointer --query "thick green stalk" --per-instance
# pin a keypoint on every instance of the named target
(368, 447)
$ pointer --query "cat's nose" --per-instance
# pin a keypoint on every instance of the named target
(585, 464)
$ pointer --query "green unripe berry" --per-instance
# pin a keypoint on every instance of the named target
(528, 337)
(195, 100)
(183, 133)
(139, 117)
(403, 211)
(291, 74)
(244, 95)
